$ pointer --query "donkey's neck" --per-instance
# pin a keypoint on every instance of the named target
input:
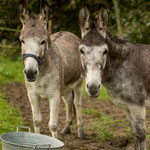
(47, 61)
(47, 65)
(119, 51)
(52, 59)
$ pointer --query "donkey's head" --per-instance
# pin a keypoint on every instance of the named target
(93, 48)
(34, 38)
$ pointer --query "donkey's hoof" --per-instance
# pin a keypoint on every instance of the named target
(66, 131)
(81, 134)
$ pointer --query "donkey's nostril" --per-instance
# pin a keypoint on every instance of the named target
(31, 74)
(35, 72)
(93, 89)
(88, 86)
(25, 71)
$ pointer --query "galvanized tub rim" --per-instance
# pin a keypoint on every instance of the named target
(32, 146)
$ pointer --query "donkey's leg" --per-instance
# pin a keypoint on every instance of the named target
(68, 100)
(136, 116)
(78, 107)
(35, 106)
(54, 109)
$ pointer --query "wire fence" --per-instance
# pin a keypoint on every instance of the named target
(19, 30)
(10, 29)
(9, 47)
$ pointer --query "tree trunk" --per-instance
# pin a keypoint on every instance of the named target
(117, 15)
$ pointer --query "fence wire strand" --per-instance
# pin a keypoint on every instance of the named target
(10, 29)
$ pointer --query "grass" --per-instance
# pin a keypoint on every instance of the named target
(92, 112)
(9, 117)
(104, 135)
(11, 70)
(106, 120)
(103, 94)
(104, 124)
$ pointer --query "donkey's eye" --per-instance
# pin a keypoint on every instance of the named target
(87, 28)
(82, 52)
(43, 42)
(105, 52)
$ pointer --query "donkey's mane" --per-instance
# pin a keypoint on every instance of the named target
(121, 48)
(116, 39)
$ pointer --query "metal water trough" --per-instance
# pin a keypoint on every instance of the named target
(29, 141)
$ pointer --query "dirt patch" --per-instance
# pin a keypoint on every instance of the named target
(16, 95)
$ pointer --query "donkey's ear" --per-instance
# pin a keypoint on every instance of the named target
(23, 12)
(84, 19)
(102, 20)
(44, 13)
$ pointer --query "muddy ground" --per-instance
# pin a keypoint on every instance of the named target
(121, 139)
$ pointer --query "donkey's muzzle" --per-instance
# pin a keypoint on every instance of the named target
(93, 89)
(30, 74)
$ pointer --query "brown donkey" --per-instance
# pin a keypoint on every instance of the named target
(52, 69)
(122, 67)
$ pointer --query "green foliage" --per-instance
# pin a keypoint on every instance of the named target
(9, 19)
(9, 117)
(134, 18)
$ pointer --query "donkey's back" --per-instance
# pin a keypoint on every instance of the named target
(67, 45)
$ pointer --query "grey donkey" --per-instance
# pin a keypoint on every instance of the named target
(122, 67)
(52, 69)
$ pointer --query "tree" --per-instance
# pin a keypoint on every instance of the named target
(128, 19)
